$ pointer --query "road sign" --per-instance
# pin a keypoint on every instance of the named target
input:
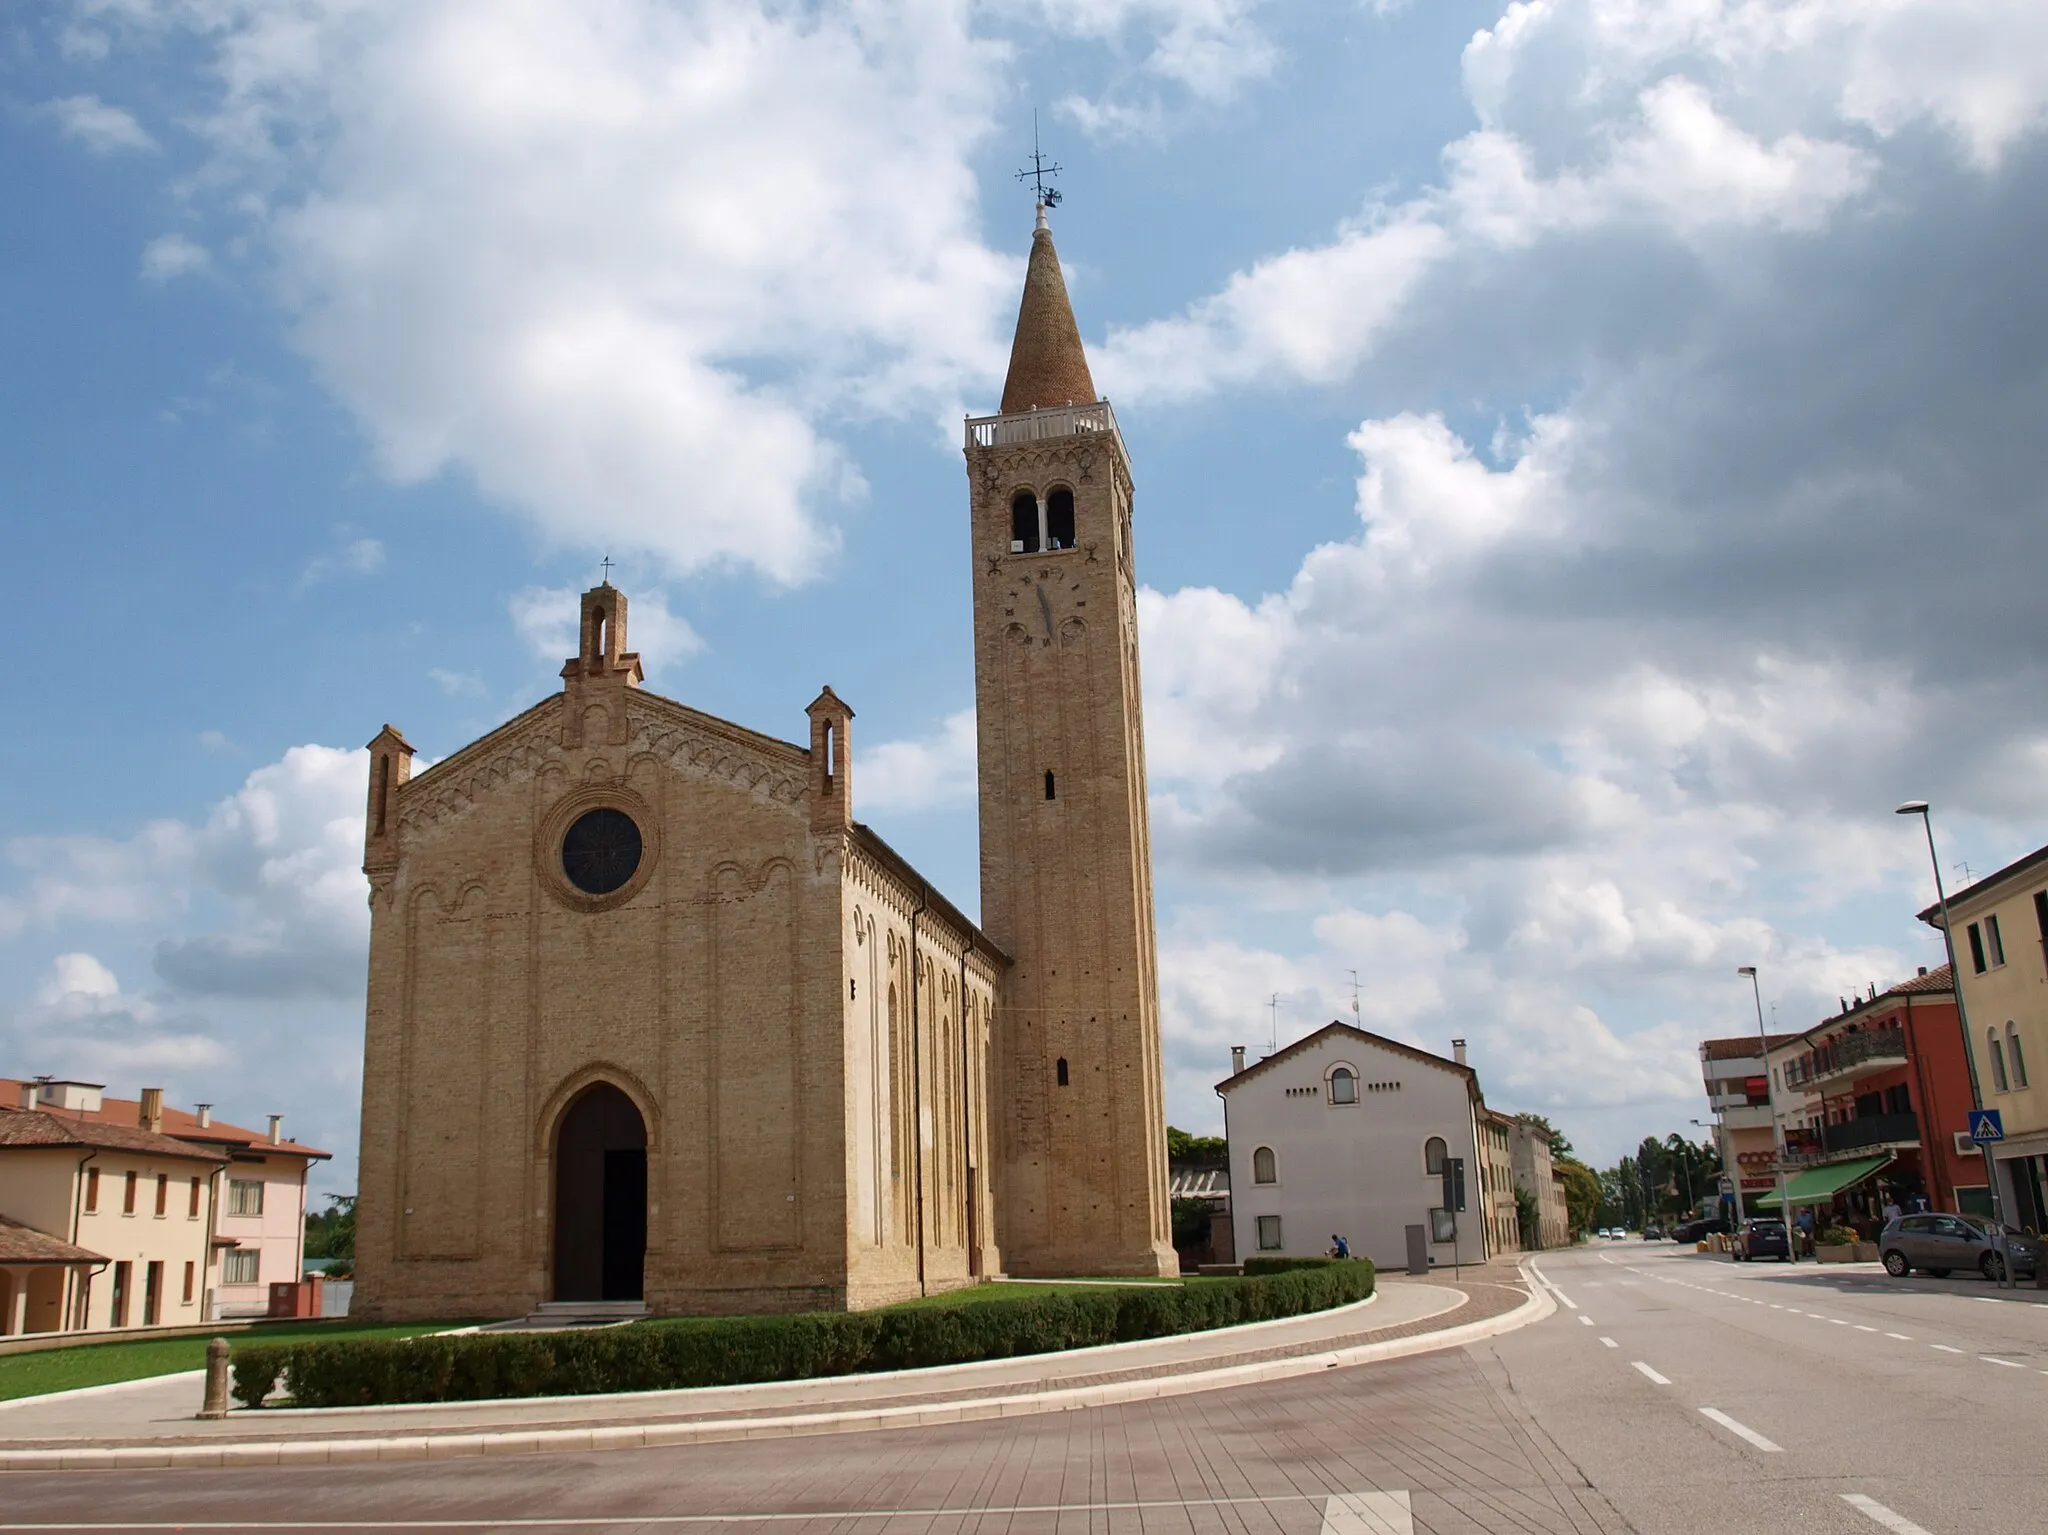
(1727, 1184)
(1986, 1128)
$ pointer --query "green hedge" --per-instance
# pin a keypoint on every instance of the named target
(721, 1351)
(1290, 1265)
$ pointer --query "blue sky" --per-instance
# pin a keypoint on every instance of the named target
(1582, 457)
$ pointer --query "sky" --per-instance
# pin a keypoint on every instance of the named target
(1585, 461)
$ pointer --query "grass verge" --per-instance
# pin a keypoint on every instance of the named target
(105, 1364)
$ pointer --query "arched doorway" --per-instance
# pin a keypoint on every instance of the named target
(600, 1197)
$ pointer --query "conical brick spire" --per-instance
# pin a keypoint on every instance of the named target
(1047, 364)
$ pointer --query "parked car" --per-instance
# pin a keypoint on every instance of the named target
(1939, 1244)
(1763, 1237)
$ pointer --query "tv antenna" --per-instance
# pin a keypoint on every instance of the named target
(1041, 168)
(1273, 1035)
(1357, 1018)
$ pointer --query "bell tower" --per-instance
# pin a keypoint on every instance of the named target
(1066, 857)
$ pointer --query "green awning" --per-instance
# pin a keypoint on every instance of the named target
(1817, 1185)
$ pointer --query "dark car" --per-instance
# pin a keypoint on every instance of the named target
(1692, 1231)
(1763, 1237)
(1652, 1234)
(1939, 1244)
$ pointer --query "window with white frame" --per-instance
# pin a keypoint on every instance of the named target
(1994, 941)
(1269, 1233)
(245, 1196)
(1998, 1078)
(1343, 1085)
(1434, 1150)
(239, 1265)
(2013, 1057)
(1264, 1168)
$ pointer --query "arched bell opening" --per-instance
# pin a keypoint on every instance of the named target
(600, 1197)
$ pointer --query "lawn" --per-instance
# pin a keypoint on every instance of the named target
(101, 1364)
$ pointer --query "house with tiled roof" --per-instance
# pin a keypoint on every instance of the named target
(175, 1217)
(1349, 1133)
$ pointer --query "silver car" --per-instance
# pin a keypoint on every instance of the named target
(1942, 1244)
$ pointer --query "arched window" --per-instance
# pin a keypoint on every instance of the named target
(1048, 784)
(1343, 1086)
(1263, 1168)
(1060, 1071)
(2014, 1058)
(1059, 519)
(1024, 523)
(1998, 1080)
(1433, 1153)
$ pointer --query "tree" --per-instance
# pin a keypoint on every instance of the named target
(1191, 1222)
(1528, 1220)
(331, 1233)
(1183, 1147)
(1560, 1149)
(1581, 1194)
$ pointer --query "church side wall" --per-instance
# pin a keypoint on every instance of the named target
(919, 1195)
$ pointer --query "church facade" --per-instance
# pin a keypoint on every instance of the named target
(654, 1021)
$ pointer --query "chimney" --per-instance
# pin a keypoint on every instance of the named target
(277, 1129)
(205, 1115)
(1236, 1059)
(28, 1095)
(1923, 969)
(150, 1112)
(1458, 1051)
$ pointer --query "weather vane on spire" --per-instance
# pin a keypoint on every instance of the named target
(1048, 196)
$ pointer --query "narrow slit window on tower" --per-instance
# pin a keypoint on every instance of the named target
(825, 762)
(1060, 1071)
(1024, 523)
(1059, 519)
(1048, 784)
(597, 651)
(383, 794)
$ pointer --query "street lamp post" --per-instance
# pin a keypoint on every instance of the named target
(1763, 1041)
(1919, 807)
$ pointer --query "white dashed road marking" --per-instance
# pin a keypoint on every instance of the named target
(1610, 1343)
(1945, 1348)
(2010, 1364)
(1652, 1375)
(1368, 1513)
(1871, 1509)
(1740, 1430)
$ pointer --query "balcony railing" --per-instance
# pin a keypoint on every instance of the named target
(1846, 1055)
(1039, 425)
(1871, 1130)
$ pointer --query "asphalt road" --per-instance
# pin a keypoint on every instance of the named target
(1927, 1401)
(1701, 1394)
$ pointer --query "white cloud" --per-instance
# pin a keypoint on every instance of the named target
(171, 256)
(916, 775)
(700, 286)
(1211, 49)
(546, 618)
(81, 1024)
(458, 684)
(101, 127)
(277, 863)
(358, 557)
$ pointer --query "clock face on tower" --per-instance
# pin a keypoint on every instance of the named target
(601, 851)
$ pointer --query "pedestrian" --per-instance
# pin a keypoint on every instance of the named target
(1340, 1248)
(1805, 1224)
(1891, 1209)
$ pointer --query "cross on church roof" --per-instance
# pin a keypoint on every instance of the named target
(606, 562)
(1048, 197)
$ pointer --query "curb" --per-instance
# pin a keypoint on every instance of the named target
(713, 1431)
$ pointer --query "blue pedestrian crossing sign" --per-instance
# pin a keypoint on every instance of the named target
(1986, 1127)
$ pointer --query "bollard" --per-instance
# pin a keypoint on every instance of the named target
(216, 1405)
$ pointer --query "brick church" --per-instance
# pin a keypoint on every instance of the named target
(654, 1021)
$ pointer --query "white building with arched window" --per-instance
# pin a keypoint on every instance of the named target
(1348, 1133)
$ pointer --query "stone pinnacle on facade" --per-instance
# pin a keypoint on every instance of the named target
(1047, 364)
